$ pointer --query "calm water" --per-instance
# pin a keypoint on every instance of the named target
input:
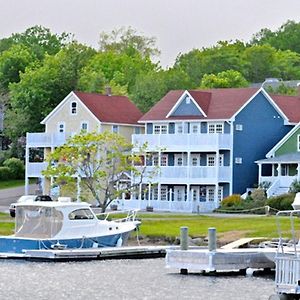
(122, 279)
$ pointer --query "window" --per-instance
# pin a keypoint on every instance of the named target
(195, 159)
(164, 193)
(73, 108)
(215, 128)
(238, 160)
(115, 129)
(179, 128)
(221, 160)
(137, 130)
(187, 100)
(211, 194)
(220, 193)
(239, 127)
(160, 129)
(164, 160)
(84, 126)
(211, 160)
(81, 214)
(155, 193)
(155, 160)
(61, 127)
(298, 142)
(195, 128)
(195, 195)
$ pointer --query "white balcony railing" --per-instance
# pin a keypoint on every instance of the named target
(43, 139)
(35, 169)
(190, 174)
(183, 141)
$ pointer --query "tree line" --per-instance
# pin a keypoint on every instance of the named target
(39, 68)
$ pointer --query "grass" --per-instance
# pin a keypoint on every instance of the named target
(168, 225)
(11, 183)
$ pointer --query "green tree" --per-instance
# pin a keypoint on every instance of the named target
(225, 79)
(42, 88)
(100, 161)
(129, 41)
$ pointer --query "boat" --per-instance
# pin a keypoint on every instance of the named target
(63, 224)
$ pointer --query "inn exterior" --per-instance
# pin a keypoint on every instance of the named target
(77, 111)
(206, 142)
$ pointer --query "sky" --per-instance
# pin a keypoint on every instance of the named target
(178, 25)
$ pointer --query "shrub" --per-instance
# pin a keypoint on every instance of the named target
(282, 202)
(16, 167)
(5, 173)
(259, 195)
(295, 187)
(233, 200)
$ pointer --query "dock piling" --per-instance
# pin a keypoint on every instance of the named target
(212, 239)
(184, 244)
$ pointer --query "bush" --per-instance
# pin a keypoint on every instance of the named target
(233, 200)
(282, 202)
(16, 167)
(295, 187)
(5, 173)
(259, 195)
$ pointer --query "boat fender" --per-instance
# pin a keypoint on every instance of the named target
(95, 245)
(119, 242)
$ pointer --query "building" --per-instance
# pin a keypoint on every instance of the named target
(282, 164)
(78, 111)
(206, 143)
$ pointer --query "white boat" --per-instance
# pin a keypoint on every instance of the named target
(65, 225)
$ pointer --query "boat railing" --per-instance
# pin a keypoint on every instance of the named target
(130, 215)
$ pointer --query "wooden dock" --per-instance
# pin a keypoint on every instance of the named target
(203, 260)
(137, 252)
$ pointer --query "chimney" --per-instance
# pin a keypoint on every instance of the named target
(108, 91)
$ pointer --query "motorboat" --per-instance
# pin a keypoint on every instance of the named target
(65, 225)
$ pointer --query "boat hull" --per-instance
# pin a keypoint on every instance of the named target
(11, 244)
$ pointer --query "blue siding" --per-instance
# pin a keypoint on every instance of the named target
(226, 127)
(262, 129)
(185, 109)
(149, 128)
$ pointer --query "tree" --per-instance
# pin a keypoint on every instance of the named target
(226, 79)
(100, 161)
(127, 40)
(41, 88)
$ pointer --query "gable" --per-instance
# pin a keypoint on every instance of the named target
(186, 107)
(290, 145)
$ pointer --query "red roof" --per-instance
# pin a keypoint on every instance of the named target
(219, 104)
(111, 109)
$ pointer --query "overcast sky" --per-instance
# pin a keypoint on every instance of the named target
(178, 25)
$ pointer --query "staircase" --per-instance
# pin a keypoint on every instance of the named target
(279, 191)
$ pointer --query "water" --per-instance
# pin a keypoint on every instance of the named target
(122, 279)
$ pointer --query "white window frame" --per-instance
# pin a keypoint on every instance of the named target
(187, 100)
(195, 126)
(210, 194)
(179, 128)
(73, 110)
(164, 193)
(238, 160)
(214, 128)
(63, 127)
(155, 160)
(115, 128)
(221, 160)
(160, 128)
(176, 159)
(211, 157)
(298, 142)
(87, 126)
(164, 160)
(220, 193)
(197, 158)
(239, 127)
(154, 193)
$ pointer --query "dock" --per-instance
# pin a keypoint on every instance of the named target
(127, 252)
(204, 260)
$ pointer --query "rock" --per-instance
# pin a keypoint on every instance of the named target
(197, 241)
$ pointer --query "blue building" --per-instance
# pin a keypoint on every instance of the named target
(206, 142)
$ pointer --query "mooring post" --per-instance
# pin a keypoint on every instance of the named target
(212, 239)
(267, 210)
(184, 243)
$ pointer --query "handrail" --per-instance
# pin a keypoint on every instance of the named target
(131, 215)
(273, 187)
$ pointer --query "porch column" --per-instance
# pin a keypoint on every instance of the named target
(26, 170)
(260, 172)
(149, 194)
(298, 172)
(216, 195)
(78, 189)
(159, 193)
(188, 197)
(279, 170)
(170, 199)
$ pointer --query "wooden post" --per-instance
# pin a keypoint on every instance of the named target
(184, 244)
(212, 239)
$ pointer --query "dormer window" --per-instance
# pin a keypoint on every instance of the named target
(73, 108)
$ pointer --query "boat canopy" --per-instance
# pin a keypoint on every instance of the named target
(38, 221)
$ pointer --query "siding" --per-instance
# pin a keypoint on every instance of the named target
(262, 129)
(290, 145)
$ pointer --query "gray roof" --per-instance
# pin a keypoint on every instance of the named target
(285, 158)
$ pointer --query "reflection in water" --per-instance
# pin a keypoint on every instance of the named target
(122, 279)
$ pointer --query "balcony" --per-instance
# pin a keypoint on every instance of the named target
(35, 169)
(183, 142)
(43, 139)
(191, 175)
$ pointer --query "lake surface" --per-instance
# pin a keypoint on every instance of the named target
(123, 279)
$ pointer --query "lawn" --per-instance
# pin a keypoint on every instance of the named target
(11, 183)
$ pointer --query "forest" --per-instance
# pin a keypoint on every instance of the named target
(39, 68)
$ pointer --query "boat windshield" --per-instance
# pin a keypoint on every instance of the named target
(38, 222)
